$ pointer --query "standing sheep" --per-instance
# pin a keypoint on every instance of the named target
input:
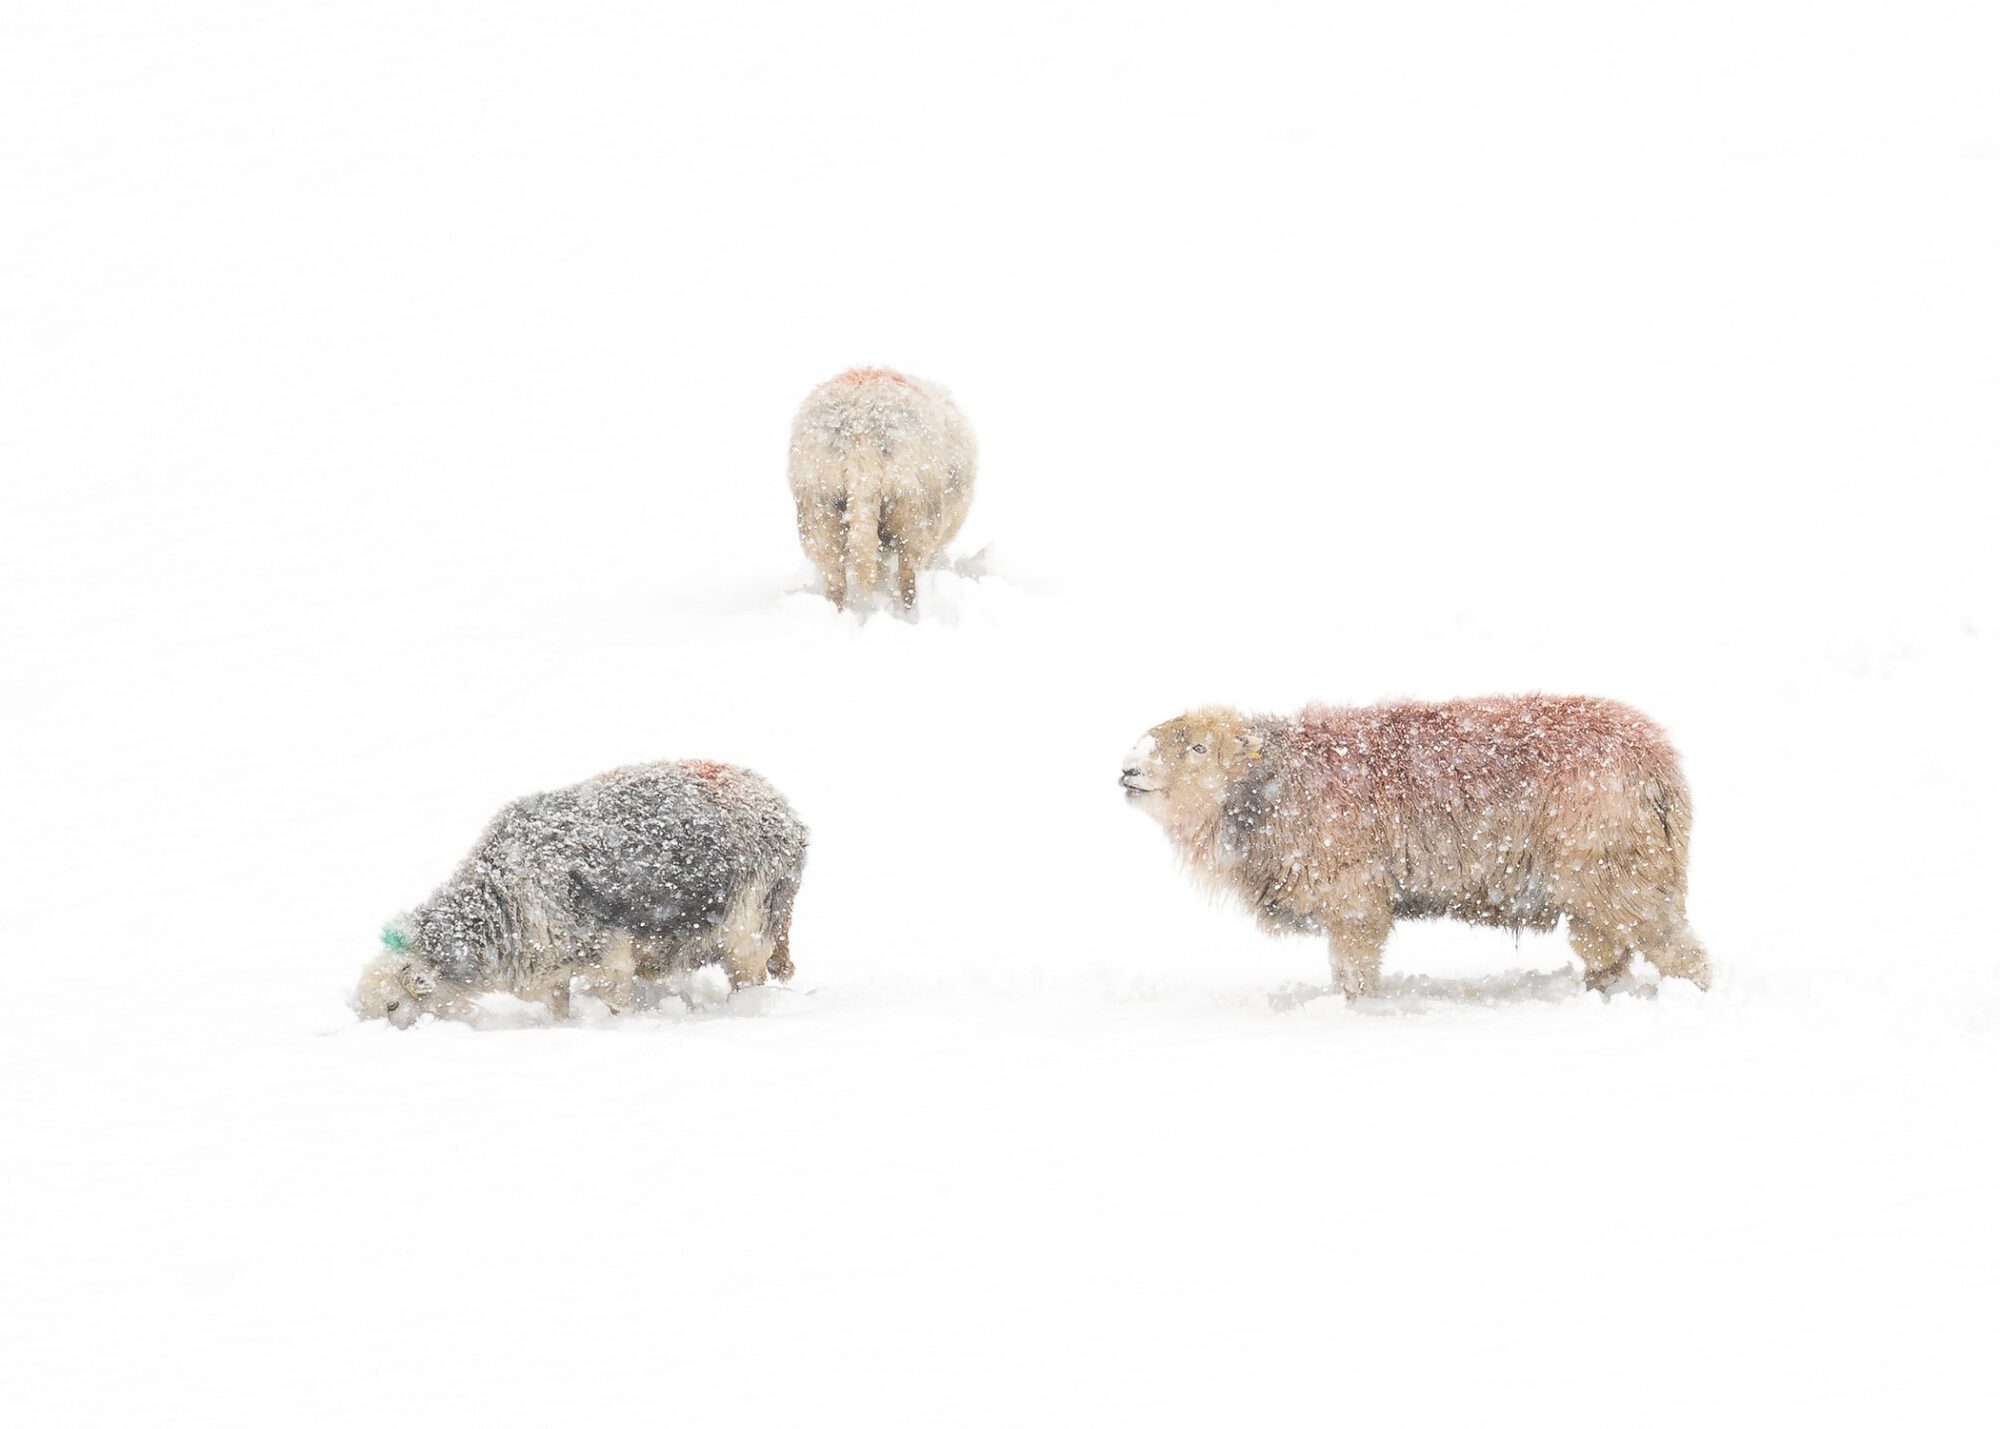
(645, 871)
(881, 470)
(1510, 811)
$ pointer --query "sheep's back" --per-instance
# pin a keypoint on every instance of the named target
(890, 434)
(661, 851)
(1479, 809)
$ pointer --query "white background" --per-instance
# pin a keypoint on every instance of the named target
(393, 407)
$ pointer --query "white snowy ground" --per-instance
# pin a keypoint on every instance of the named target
(393, 403)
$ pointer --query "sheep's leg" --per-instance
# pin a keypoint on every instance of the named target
(861, 544)
(748, 960)
(744, 939)
(823, 536)
(1605, 959)
(833, 558)
(615, 978)
(778, 927)
(777, 946)
(779, 964)
(1670, 945)
(1357, 926)
(557, 998)
(1357, 965)
(905, 534)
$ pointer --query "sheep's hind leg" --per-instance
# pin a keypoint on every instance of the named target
(1605, 960)
(778, 926)
(823, 537)
(744, 940)
(832, 561)
(903, 538)
(748, 961)
(779, 964)
(1670, 946)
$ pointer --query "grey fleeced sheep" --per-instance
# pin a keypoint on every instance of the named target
(647, 871)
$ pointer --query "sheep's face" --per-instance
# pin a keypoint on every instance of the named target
(1178, 772)
(398, 987)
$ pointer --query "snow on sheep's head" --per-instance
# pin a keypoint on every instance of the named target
(397, 985)
(1179, 770)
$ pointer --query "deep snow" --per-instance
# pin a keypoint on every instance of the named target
(395, 419)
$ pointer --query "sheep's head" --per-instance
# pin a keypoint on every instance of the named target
(400, 986)
(1178, 772)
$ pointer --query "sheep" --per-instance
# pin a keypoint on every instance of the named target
(647, 871)
(881, 471)
(1511, 811)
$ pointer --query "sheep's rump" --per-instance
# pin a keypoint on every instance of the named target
(666, 854)
(1508, 811)
(881, 469)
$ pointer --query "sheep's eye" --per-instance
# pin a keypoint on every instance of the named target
(1198, 749)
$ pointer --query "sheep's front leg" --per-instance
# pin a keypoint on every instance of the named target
(1357, 921)
(615, 979)
(1357, 966)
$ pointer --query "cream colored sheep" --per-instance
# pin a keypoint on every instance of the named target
(881, 470)
(1511, 811)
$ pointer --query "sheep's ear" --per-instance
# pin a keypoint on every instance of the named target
(1251, 743)
(420, 980)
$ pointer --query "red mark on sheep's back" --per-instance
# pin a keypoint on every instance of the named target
(706, 770)
(855, 376)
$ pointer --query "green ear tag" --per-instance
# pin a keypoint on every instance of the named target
(394, 941)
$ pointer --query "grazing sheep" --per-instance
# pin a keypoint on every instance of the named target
(648, 870)
(1511, 811)
(881, 470)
